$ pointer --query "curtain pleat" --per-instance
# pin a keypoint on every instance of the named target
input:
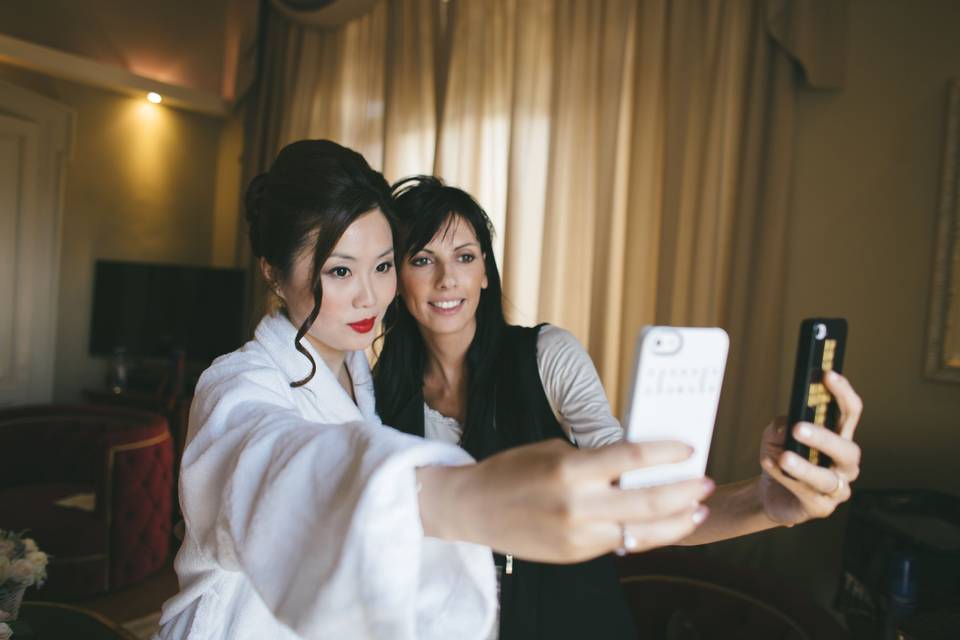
(634, 156)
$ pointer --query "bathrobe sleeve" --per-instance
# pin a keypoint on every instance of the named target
(323, 519)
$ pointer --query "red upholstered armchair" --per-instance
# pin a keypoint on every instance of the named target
(114, 465)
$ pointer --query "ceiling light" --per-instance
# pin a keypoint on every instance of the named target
(154, 97)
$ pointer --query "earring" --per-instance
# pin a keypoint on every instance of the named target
(275, 290)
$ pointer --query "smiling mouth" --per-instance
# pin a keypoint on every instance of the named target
(363, 326)
(447, 307)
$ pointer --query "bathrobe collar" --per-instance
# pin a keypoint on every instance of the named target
(277, 334)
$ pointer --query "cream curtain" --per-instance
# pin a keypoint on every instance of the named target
(370, 85)
(634, 155)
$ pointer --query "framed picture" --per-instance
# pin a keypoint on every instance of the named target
(943, 336)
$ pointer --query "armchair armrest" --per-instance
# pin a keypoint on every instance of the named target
(48, 444)
(135, 496)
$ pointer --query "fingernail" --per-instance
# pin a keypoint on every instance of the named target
(768, 463)
(804, 431)
(831, 376)
(700, 514)
(791, 461)
(708, 485)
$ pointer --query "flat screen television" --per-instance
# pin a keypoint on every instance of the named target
(150, 310)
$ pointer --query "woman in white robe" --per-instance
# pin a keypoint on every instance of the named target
(303, 523)
(305, 516)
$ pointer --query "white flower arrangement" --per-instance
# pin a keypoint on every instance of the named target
(22, 564)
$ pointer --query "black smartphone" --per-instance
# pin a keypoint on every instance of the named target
(820, 349)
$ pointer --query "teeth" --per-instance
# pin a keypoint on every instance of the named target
(447, 304)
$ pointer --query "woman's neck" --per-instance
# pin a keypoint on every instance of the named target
(335, 360)
(445, 374)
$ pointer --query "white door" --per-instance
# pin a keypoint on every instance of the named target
(35, 136)
(19, 142)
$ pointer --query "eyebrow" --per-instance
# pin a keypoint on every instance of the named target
(344, 256)
(463, 246)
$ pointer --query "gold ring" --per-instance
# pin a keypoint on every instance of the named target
(840, 482)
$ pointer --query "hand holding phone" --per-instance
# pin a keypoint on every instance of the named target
(678, 373)
(820, 349)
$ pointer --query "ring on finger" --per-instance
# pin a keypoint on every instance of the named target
(835, 494)
(628, 542)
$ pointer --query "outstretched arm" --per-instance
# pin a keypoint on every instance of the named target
(775, 498)
(550, 502)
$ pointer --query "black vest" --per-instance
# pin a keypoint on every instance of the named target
(539, 600)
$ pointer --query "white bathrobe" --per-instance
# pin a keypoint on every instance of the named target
(302, 516)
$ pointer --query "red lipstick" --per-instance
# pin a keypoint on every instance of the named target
(364, 326)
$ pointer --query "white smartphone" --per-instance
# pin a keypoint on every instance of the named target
(678, 373)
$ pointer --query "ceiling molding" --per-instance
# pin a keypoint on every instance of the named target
(67, 66)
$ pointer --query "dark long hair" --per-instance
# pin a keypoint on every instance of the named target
(425, 207)
(313, 191)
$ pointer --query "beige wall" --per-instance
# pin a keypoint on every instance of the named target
(227, 203)
(864, 209)
(140, 186)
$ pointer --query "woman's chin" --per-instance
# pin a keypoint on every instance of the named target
(361, 341)
(447, 325)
